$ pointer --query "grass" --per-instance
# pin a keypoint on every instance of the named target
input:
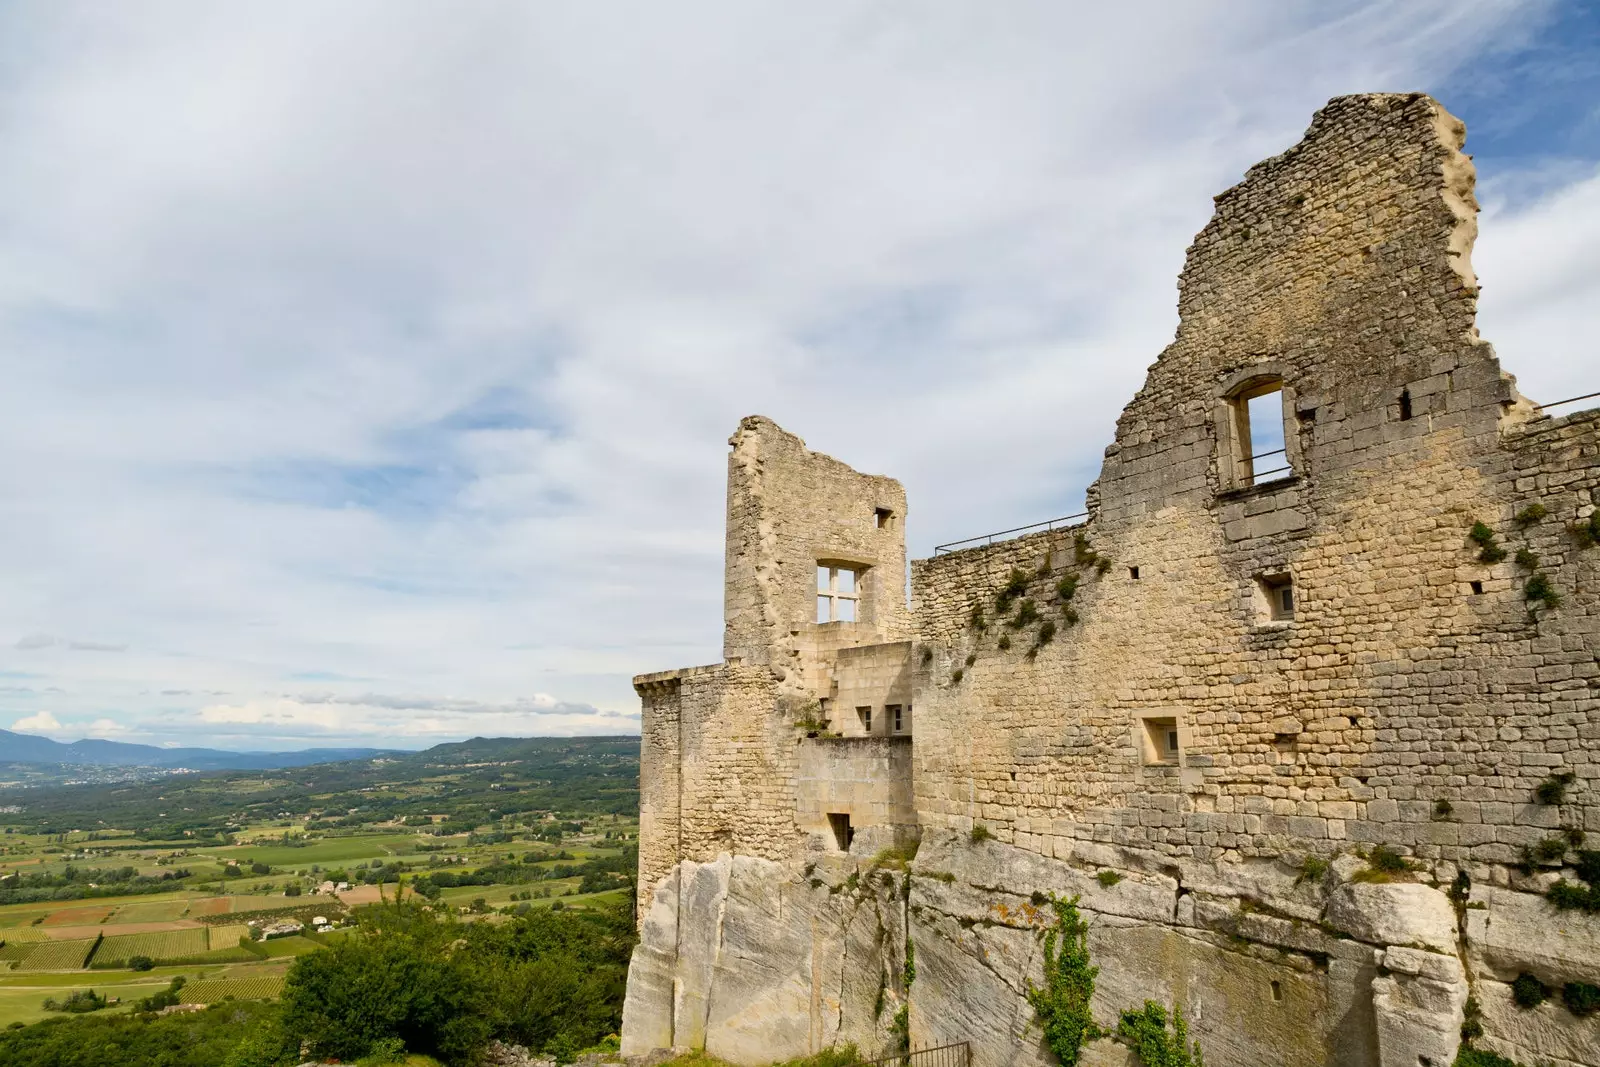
(283, 947)
(332, 850)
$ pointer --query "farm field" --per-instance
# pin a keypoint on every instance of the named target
(323, 852)
(256, 987)
(118, 949)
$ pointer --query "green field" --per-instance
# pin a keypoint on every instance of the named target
(56, 956)
(282, 947)
(152, 911)
(258, 987)
(323, 852)
(118, 949)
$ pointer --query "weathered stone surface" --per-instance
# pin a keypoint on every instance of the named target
(1545, 1034)
(1419, 1018)
(1396, 913)
(1519, 932)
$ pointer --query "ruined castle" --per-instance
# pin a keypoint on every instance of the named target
(1304, 711)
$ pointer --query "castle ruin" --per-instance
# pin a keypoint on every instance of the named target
(1304, 711)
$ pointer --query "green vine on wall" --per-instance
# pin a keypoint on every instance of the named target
(1145, 1031)
(1062, 1003)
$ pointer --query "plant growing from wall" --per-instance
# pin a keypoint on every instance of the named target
(979, 833)
(1530, 515)
(972, 657)
(1004, 643)
(1442, 808)
(977, 621)
(956, 676)
(1108, 878)
(900, 1027)
(1567, 896)
(1015, 586)
(1588, 533)
(1067, 588)
(1581, 998)
(1145, 1031)
(1539, 590)
(1383, 865)
(910, 974)
(1527, 559)
(1471, 1020)
(1553, 790)
(1489, 550)
(1528, 992)
(1027, 614)
(1069, 617)
(1047, 633)
(1082, 554)
(1062, 1002)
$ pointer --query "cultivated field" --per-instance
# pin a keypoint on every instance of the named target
(258, 987)
(117, 950)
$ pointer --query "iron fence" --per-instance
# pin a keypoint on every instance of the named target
(988, 539)
(1568, 400)
(956, 1055)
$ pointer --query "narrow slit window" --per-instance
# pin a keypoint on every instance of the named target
(865, 715)
(895, 721)
(1405, 405)
(843, 833)
(838, 592)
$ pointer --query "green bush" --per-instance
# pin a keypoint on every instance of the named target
(1067, 587)
(141, 963)
(1530, 515)
(979, 833)
(1015, 586)
(1527, 559)
(1489, 550)
(1108, 878)
(1539, 590)
(1581, 998)
(1062, 1003)
(1528, 992)
(1027, 614)
(1553, 790)
(1145, 1031)
(1471, 1057)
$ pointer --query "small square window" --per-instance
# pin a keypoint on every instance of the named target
(1160, 742)
(1275, 598)
(883, 518)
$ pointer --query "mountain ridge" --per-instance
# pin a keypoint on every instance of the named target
(97, 752)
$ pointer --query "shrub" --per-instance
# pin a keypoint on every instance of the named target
(140, 963)
(1528, 992)
(1567, 896)
(1527, 559)
(1530, 515)
(1312, 868)
(1588, 865)
(1027, 614)
(1540, 591)
(1062, 1002)
(977, 621)
(1489, 551)
(979, 833)
(1553, 790)
(1015, 586)
(1069, 617)
(1581, 998)
(1471, 1020)
(1549, 850)
(910, 974)
(1047, 633)
(972, 657)
(1067, 587)
(1145, 1031)
(1442, 808)
(1472, 1057)
(1386, 861)
(1004, 643)
(956, 676)
(1108, 878)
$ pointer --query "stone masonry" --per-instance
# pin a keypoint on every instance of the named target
(1200, 711)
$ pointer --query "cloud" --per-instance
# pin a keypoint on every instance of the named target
(41, 723)
(393, 348)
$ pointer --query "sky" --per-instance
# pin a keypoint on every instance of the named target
(368, 368)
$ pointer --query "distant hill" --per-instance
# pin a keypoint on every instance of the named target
(92, 752)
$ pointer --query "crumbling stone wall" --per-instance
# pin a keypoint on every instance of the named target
(1415, 695)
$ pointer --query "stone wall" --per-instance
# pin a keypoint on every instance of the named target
(1339, 660)
(865, 778)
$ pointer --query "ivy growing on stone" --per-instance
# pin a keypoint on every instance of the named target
(1062, 1003)
(1145, 1031)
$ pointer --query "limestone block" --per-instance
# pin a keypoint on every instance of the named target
(1544, 1034)
(1397, 913)
(1522, 932)
(1418, 1019)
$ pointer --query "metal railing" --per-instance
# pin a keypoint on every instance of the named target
(1568, 400)
(956, 1055)
(1256, 476)
(988, 539)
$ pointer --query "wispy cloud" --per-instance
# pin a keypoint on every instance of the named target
(393, 347)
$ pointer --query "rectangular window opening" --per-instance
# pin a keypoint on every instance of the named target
(838, 592)
(896, 723)
(865, 715)
(883, 518)
(1161, 743)
(843, 833)
(1275, 598)
(1405, 405)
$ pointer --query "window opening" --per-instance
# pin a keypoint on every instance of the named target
(843, 832)
(1161, 743)
(1477, 588)
(1257, 434)
(894, 717)
(1405, 405)
(1277, 990)
(865, 714)
(1133, 572)
(883, 518)
(1277, 597)
(838, 591)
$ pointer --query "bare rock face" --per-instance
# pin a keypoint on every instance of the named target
(1399, 913)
